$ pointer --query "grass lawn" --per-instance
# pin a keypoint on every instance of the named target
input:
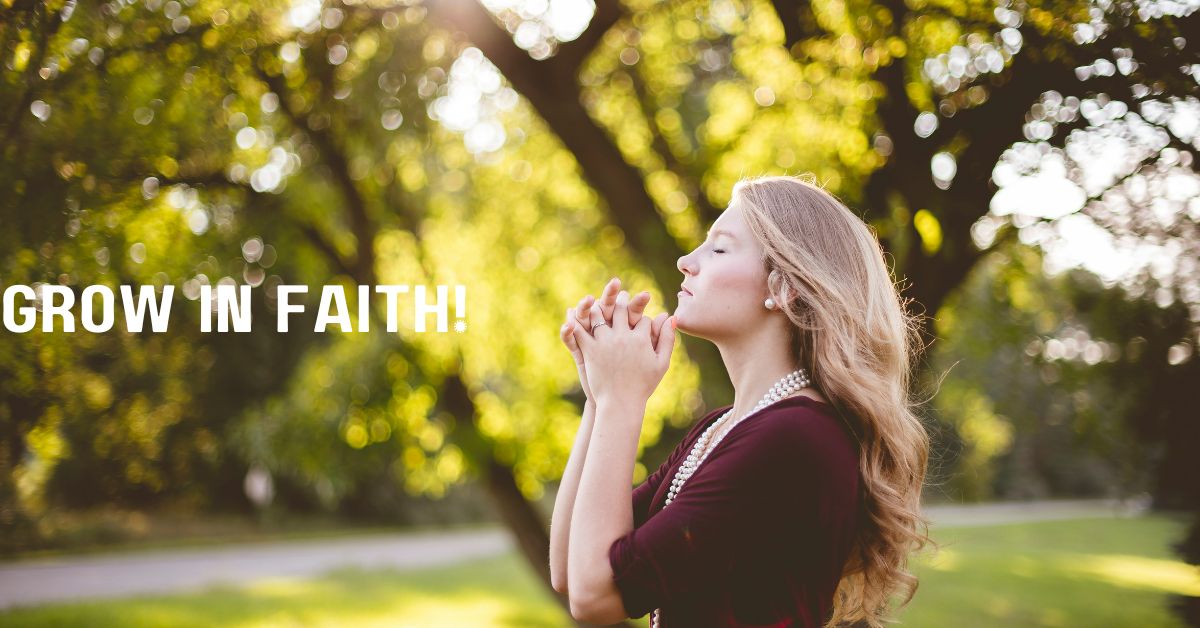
(1083, 572)
(1086, 572)
(494, 592)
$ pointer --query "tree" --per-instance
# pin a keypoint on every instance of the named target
(324, 149)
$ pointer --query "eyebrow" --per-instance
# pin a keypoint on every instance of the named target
(718, 232)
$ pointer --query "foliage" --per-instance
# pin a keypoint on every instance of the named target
(359, 143)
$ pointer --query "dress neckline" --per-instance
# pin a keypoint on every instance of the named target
(816, 403)
(657, 504)
(794, 398)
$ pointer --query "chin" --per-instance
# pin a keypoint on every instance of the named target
(684, 324)
(680, 321)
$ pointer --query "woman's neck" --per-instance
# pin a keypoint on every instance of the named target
(755, 363)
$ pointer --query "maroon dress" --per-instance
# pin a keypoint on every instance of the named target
(758, 535)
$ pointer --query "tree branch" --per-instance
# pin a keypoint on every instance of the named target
(552, 88)
(572, 54)
(799, 22)
(687, 180)
(361, 225)
(310, 231)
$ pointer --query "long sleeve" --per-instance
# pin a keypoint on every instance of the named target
(766, 471)
(644, 493)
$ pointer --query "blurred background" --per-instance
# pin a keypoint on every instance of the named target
(1029, 168)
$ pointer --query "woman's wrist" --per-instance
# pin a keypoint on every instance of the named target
(621, 405)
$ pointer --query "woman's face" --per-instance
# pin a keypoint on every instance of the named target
(724, 283)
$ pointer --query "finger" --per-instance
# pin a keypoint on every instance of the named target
(643, 327)
(597, 317)
(656, 327)
(666, 343)
(568, 331)
(637, 305)
(608, 299)
(583, 339)
(583, 311)
(620, 317)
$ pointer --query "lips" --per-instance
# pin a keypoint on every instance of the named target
(684, 290)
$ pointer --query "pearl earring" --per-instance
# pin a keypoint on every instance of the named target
(769, 303)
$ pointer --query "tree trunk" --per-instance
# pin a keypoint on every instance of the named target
(519, 515)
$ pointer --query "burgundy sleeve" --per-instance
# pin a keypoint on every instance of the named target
(644, 493)
(689, 546)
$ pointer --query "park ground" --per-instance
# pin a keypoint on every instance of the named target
(1060, 564)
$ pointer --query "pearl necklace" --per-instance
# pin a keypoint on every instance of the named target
(785, 387)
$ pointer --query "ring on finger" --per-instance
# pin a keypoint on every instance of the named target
(597, 325)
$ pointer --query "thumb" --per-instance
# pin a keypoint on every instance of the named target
(568, 332)
(656, 327)
(666, 341)
(583, 339)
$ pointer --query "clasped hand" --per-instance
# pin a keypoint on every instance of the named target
(620, 354)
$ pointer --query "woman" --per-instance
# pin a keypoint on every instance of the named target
(797, 505)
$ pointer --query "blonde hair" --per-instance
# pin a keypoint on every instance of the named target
(853, 333)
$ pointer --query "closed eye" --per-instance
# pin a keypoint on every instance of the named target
(718, 250)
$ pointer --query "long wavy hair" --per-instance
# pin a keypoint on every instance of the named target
(854, 334)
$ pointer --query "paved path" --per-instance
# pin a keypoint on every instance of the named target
(1018, 512)
(42, 580)
(37, 581)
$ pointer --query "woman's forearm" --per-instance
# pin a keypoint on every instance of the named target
(564, 501)
(603, 511)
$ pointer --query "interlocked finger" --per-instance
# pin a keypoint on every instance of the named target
(620, 317)
(598, 322)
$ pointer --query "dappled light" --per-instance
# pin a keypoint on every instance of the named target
(1028, 168)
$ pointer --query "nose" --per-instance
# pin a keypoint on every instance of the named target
(685, 265)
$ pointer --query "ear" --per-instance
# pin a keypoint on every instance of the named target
(777, 288)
